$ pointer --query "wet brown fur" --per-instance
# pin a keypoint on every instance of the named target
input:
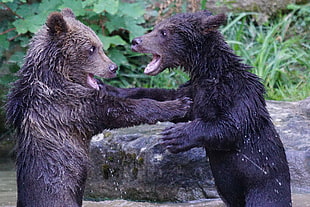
(228, 117)
(56, 112)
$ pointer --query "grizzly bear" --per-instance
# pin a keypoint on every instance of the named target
(228, 116)
(57, 105)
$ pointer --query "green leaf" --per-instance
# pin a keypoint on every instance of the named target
(47, 6)
(23, 41)
(26, 10)
(17, 58)
(88, 3)
(108, 41)
(134, 29)
(115, 22)
(4, 43)
(35, 23)
(97, 29)
(128, 23)
(6, 79)
(31, 24)
(117, 57)
(134, 10)
(21, 28)
(110, 6)
(75, 5)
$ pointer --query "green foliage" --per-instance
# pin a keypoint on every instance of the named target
(278, 51)
(115, 22)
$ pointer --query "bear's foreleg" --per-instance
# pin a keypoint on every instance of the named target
(129, 112)
(159, 94)
(198, 133)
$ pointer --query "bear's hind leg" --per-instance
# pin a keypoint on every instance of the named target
(269, 195)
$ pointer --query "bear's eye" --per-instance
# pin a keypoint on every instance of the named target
(92, 50)
(163, 33)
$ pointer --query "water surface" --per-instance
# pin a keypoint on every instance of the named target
(8, 195)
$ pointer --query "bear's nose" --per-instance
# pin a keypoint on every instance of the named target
(136, 41)
(113, 68)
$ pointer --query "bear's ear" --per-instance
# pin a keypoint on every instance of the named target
(56, 24)
(67, 12)
(211, 23)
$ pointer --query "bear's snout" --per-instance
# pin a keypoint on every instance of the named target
(113, 68)
(136, 41)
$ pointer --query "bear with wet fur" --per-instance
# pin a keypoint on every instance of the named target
(228, 116)
(57, 105)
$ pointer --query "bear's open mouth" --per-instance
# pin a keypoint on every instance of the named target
(92, 82)
(153, 67)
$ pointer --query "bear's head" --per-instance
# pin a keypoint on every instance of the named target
(79, 49)
(179, 40)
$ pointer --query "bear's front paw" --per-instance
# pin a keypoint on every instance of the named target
(180, 106)
(176, 139)
(185, 103)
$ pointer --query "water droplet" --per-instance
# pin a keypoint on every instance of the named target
(266, 158)
(242, 159)
(158, 157)
(143, 149)
(276, 191)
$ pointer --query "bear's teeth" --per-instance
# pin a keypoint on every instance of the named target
(153, 66)
(91, 81)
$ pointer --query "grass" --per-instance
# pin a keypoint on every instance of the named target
(279, 54)
(278, 50)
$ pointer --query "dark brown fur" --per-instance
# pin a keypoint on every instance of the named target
(56, 106)
(229, 116)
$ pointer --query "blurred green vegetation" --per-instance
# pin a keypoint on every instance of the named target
(278, 49)
(115, 22)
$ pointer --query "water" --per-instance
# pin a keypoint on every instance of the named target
(8, 195)
(7, 183)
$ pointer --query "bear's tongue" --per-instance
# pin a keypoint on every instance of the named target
(153, 67)
(91, 81)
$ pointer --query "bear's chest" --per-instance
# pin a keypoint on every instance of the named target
(211, 98)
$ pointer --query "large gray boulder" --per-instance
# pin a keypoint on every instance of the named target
(130, 163)
(292, 120)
